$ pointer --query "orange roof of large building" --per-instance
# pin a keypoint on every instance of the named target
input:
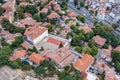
(99, 40)
(86, 29)
(55, 41)
(53, 15)
(18, 54)
(62, 56)
(34, 32)
(84, 63)
(36, 58)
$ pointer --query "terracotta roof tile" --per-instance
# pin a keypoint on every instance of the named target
(53, 15)
(99, 40)
(18, 54)
(71, 14)
(84, 63)
(62, 56)
(36, 58)
(34, 32)
(28, 21)
(55, 41)
(117, 48)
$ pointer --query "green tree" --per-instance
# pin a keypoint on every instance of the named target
(37, 17)
(81, 18)
(60, 45)
(20, 12)
(34, 49)
(115, 26)
(5, 23)
(50, 28)
(79, 49)
(91, 43)
(69, 35)
(26, 67)
(46, 68)
(17, 42)
(31, 9)
(1, 1)
(69, 78)
(42, 48)
(5, 53)
(64, 5)
(1, 10)
(87, 50)
(82, 4)
(89, 36)
(14, 65)
(94, 51)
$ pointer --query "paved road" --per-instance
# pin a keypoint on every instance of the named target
(89, 20)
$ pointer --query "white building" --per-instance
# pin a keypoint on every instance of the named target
(36, 34)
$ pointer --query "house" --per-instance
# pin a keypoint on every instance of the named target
(110, 73)
(57, 7)
(18, 24)
(35, 58)
(26, 45)
(86, 28)
(71, 14)
(9, 10)
(4, 32)
(44, 10)
(99, 41)
(61, 56)
(18, 54)
(106, 54)
(9, 38)
(36, 34)
(99, 66)
(28, 22)
(84, 63)
(117, 48)
(53, 15)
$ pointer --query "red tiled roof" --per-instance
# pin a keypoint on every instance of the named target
(117, 48)
(34, 32)
(10, 37)
(62, 56)
(53, 15)
(99, 40)
(107, 53)
(55, 41)
(4, 32)
(18, 54)
(28, 21)
(72, 14)
(25, 46)
(84, 63)
(36, 58)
